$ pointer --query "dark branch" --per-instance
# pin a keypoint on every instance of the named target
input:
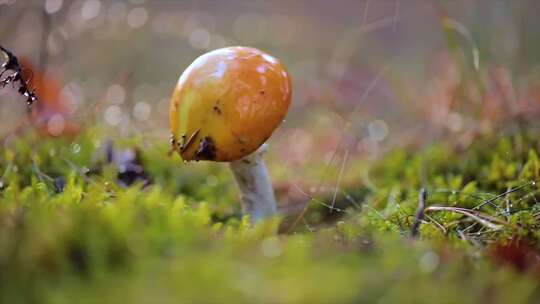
(419, 212)
(14, 73)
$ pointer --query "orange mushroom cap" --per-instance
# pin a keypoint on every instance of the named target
(227, 103)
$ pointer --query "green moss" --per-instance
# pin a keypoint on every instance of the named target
(181, 239)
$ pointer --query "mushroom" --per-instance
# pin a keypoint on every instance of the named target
(225, 106)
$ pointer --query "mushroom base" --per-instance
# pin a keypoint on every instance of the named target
(256, 192)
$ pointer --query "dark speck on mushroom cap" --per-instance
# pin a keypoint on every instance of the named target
(206, 150)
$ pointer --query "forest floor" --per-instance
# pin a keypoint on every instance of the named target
(82, 221)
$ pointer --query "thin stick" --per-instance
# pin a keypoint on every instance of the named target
(372, 85)
(12, 64)
(338, 183)
(436, 223)
(490, 201)
(46, 24)
(480, 217)
(422, 196)
(307, 204)
(312, 198)
(396, 15)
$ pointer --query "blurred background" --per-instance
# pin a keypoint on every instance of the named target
(367, 75)
(416, 81)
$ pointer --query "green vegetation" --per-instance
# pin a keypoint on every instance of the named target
(69, 233)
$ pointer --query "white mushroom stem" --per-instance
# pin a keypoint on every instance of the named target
(256, 192)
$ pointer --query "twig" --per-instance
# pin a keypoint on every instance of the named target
(366, 9)
(46, 24)
(2, 178)
(490, 201)
(311, 198)
(81, 171)
(322, 203)
(396, 15)
(443, 229)
(480, 217)
(16, 76)
(371, 86)
(339, 179)
(419, 212)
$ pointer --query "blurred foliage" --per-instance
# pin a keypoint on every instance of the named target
(180, 239)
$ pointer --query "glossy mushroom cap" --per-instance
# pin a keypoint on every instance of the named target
(227, 103)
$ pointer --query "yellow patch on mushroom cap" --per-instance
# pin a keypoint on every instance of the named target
(227, 103)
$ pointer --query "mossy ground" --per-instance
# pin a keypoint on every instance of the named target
(69, 233)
